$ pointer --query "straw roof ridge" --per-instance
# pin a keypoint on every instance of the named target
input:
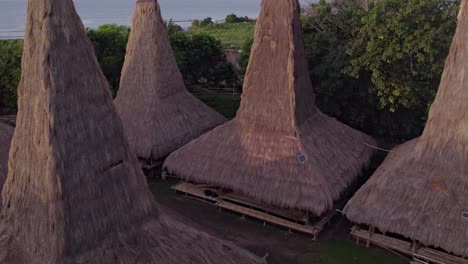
(6, 133)
(420, 191)
(261, 153)
(158, 113)
(74, 191)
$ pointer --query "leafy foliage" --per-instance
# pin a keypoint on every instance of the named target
(233, 18)
(359, 64)
(201, 58)
(245, 54)
(375, 65)
(402, 44)
(204, 23)
(10, 72)
(110, 42)
(173, 27)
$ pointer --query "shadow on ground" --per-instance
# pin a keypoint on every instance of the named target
(334, 245)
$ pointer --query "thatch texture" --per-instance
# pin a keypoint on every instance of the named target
(421, 190)
(6, 133)
(257, 154)
(74, 192)
(158, 113)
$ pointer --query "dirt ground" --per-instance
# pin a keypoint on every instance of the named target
(281, 246)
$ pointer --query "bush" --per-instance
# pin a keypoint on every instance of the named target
(360, 61)
(207, 22)
(200, 58)
(402, 44)
(10, 72)
(110, 42)
(245, 54)
(173, 27)
(233, 18)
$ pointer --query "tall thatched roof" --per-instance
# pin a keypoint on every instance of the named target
(6, 133)
(421, 190)
(74, 192)
(158, 113)
(261, 152)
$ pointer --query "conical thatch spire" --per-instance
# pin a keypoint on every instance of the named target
(421, 190)
(6, 133)
(261, 153)
(158, 113)
(74, 193)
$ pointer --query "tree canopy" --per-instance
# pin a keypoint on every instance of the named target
(110, 43)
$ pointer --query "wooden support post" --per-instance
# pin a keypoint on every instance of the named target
(370, 236)
(414, 246)
(151, 169)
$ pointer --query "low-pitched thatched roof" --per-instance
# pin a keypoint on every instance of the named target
(262, 152)
(75, 193)
(421, 190)
(158, 113)
(6, 133)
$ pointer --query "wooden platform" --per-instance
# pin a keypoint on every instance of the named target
(293, 220)
(292, 215)
(195, 191)
(267, 218)
(405, 247)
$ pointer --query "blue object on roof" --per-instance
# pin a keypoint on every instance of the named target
(302, 158)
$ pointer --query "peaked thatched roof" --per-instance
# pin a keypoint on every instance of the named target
(158, 113)
(6, 133)
(421, 190)
(74, 192)
(258, 153)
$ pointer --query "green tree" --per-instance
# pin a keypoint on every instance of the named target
(340, 50)
(233, 18)
(196, 23)
(403, 44)
(207, 22)
(200, 57)
(173, 27)
(10, 72)
(110, 43)
(245, 54)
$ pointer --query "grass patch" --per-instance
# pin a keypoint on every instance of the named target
(230, 35)
(253, 236)
(162, 189)
(223, 102)
(346, 252)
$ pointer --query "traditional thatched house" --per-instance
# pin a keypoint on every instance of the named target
(74, 191)
(6, 133)
(421, 190)
(158, 113)
(280, 149)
